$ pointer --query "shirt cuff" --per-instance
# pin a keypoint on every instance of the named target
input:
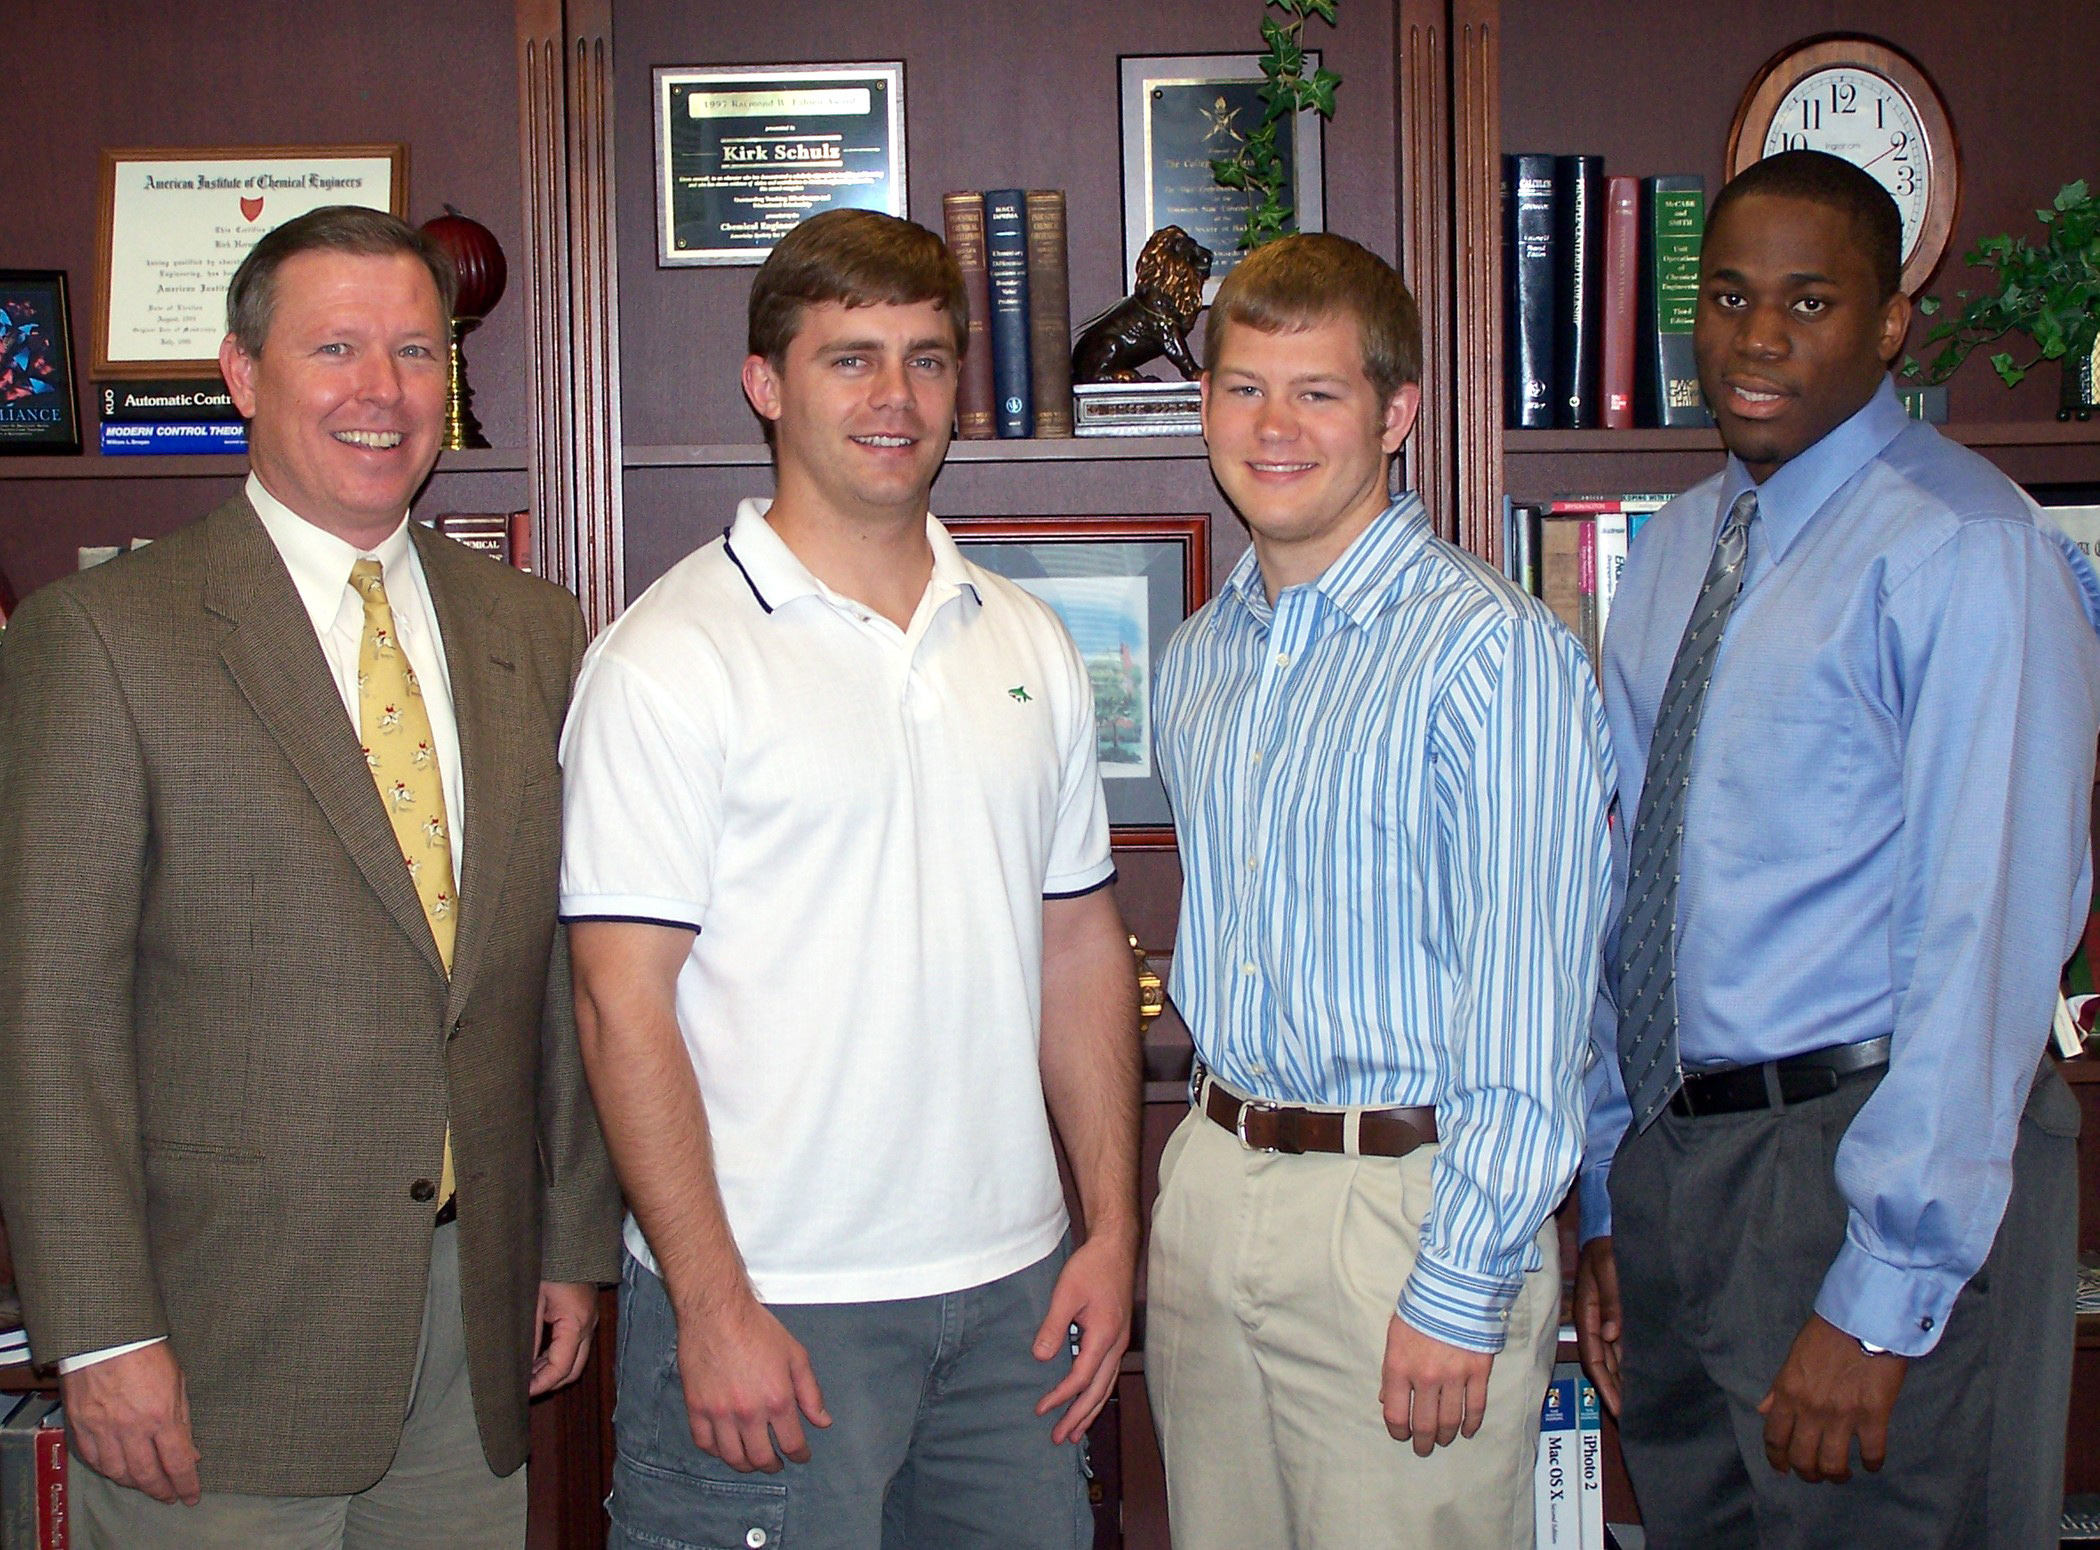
(1901, 1308)
(1593, 1195)
(68, 1364)
(1458, 1307)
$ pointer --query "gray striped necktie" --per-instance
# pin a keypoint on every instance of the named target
(1647, 977)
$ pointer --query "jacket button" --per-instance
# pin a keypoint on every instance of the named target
(422, 1191)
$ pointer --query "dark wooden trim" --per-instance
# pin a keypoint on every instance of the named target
(543, 174)
(1476, 154)
(1422, 153)
(599, 576)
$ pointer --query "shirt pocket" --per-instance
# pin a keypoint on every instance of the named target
(1784, 777)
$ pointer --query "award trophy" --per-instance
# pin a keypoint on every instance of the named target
(479, 261)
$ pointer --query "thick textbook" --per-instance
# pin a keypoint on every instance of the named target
(1006, 264)
(963, 216)
(1529, 204)
(1673, 218)
(1049, 313)
(1578, 293)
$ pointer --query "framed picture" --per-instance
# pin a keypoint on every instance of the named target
(745, 152)
(175, 225)
(37, 411)
(1121, 585)
(1181, 112)
(2075, 508)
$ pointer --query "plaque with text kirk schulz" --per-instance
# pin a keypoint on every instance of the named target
(743, 154)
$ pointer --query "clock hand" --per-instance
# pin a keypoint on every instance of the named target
(1863, 166)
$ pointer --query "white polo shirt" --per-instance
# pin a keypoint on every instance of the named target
(862, 824)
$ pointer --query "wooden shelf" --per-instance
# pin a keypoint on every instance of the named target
(1077, 449)
(1981, 433)
(223, 465)
(21, 1378)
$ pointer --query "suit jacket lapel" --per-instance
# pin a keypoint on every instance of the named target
(481, 658)
(276, 663)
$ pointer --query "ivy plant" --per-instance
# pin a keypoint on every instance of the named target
(1257, 168)
(2049, 294)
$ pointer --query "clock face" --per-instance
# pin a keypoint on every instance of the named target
(1869, 121)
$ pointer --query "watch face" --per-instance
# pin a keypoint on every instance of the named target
(1866, 119)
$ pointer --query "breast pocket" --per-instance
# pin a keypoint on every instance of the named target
(1786, 779)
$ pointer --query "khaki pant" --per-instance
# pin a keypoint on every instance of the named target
(437, 1495)
(1271, 1284)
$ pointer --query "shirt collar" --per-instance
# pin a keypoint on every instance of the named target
(319, 561)
(1799, 488)
(777, 577)
(1361, 579)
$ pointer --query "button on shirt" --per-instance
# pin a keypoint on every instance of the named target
(1390, 794)
(1886, 830)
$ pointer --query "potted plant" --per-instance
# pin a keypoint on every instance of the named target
(2049, 294)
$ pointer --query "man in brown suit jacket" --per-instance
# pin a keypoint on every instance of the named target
(236, 1076)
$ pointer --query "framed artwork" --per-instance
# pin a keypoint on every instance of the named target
(2075, 508)
(37, 411)
(175, 225)
(1121, 585)
(746, 152)
(1180, 113)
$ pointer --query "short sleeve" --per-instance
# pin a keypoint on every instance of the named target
(641, 800)
(1079, 846)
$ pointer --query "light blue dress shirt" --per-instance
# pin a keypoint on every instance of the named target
(1390, 792)
(1887, 826)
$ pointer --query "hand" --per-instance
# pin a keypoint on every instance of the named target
(568, 1313)
(1432, 1392)
(1094, 1291)
(1597, 1318)
(745, 1380)
(1828, 1392)
(129, 1419)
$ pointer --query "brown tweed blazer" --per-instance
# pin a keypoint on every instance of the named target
(228, 1046)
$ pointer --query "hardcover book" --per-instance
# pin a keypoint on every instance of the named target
(1006, 266)
(149, 438)
(181, 401)
(963, 216)
(1529, 205)
(1621, 299)
(1673, 218)
(1578, 292)
(1049, 314)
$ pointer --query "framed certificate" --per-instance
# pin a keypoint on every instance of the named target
(1120, 585)
(1181, 113)
(175, 225)
(744, 153)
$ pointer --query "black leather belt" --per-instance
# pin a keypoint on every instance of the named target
(1774, 1084)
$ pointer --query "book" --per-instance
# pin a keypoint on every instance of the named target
(487, 532)
(1554, 1482)
(963, 216)
(1560, 568)
(160, 438)
(1049, 313)
(1587, 630)
(1673, 218)
(1529, 200)
(1589, 1461)
(1006, 270)
(32, 1475)
(183, 401)
(1578, 292)
(1620, 301)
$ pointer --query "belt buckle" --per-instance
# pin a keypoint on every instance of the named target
(1239, 1125)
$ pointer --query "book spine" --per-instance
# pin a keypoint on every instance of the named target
(1049, 314)
(1530, 521)
(1621, 301)
(147, 439)
(1006, 267)
(963, 216)
(1578, 292)
(1589, 1463)
(1611, 564)
(521, 540)
(173, 402)
(1554, 1478)
(1673, 216)
(51, 1485)
(1560, 569)
(1586, 574)
(1528, 204)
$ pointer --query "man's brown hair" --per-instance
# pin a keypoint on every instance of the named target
(1300, 281)
(859, 258)
(251, 297)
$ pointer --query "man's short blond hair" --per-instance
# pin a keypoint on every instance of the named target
(1301, 281)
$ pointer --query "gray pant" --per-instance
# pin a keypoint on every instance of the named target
(934, 1443)
(1723, 1228)
(437, 1495)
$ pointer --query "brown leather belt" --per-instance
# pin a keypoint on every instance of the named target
(1262, 1126)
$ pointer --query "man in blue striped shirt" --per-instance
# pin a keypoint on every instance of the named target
(1389, 771)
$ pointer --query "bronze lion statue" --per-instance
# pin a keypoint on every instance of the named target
(1154, 319)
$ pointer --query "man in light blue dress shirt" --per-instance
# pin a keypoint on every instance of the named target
(1389, 771)
(1847, 1236)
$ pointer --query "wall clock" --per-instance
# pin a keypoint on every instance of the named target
(1870, 103)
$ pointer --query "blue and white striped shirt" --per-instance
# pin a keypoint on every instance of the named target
(1390, 791)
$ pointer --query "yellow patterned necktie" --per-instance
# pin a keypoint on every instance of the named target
(402, 754)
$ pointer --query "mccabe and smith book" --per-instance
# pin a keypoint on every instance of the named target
(1673, 218)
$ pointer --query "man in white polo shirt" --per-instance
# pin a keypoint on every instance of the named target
(836, 867)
